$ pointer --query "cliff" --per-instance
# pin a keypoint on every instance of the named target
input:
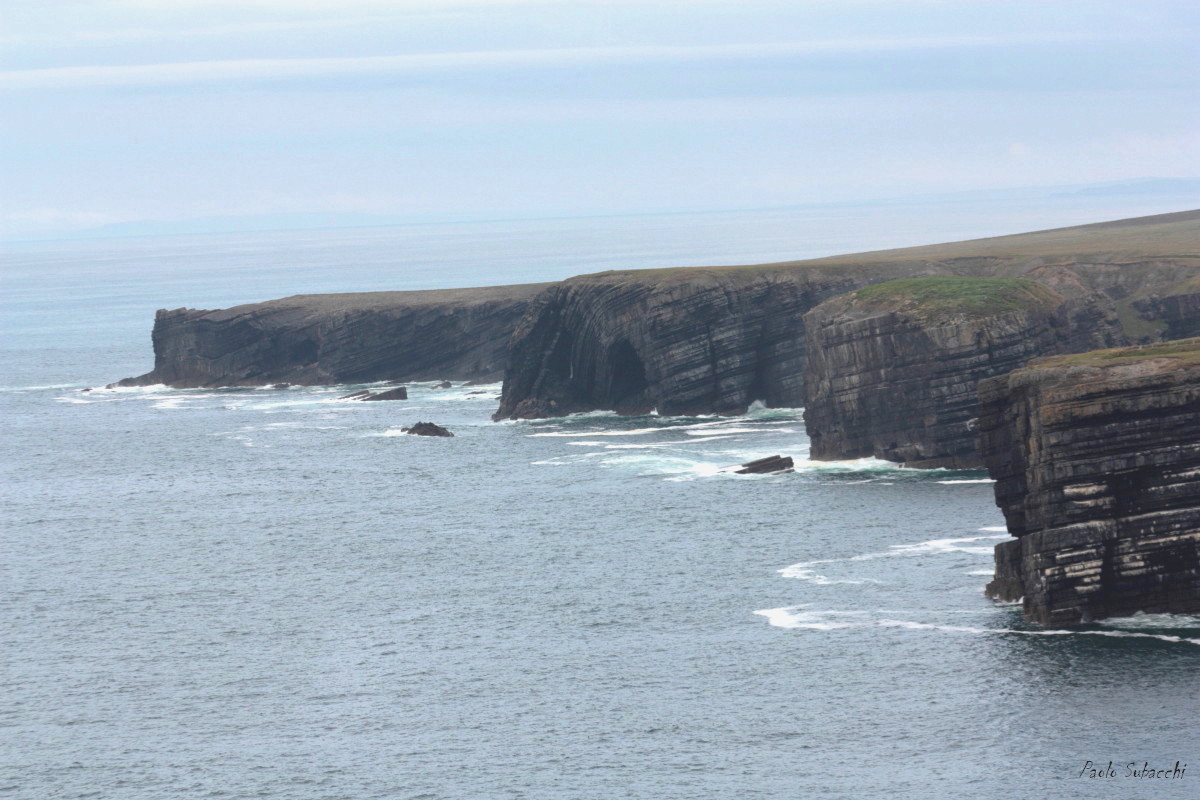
(693, 341)
(686, 340)
(892, 368)
(714, 340)
(459, 334)
(1096, 458)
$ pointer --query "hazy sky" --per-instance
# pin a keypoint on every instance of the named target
(119, 110)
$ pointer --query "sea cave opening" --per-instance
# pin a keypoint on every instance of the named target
(628, 387)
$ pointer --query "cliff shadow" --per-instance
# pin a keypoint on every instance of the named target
(628, 390)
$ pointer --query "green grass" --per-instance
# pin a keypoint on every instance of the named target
(954, 295)
(1185, 351)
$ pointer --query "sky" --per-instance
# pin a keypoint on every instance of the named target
(124, 111)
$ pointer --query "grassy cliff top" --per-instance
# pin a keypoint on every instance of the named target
(1184, 352)
(952, 296)
(1174, 237)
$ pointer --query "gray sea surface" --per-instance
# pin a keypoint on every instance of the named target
(262, 593)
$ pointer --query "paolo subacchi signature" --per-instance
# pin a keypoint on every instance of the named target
(1132, 770)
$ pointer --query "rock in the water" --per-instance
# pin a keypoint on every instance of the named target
(340, 338)
(399, 393)
(426, 429)
(1096, 458)
(281, 386)
(765, 466)
(444, 385)
(893, 368)
(359, 395)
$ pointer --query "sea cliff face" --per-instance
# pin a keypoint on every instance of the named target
(457, 334)
(682, 341)
(1097, 465)
(892, 369)
(685, 341)
(689, 341)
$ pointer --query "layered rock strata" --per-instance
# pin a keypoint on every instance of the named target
(460, 334)
(702, 341)
(696, 341)
(892, 368)
(1096, 459)
(680, 340)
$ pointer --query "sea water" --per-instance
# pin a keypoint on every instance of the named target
(274, 593)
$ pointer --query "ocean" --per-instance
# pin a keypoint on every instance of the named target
(273, 593)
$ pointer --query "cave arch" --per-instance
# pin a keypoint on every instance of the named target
(628, 389)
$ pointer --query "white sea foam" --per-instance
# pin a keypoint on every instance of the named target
(649, 446)
(975, 480)
(925, 626)
(946, 546)
(172, 402)
(43, 388)
(154, 388)
(732, 430)
(995, 528)
(801, 617)
(1142, 620)
(987, 572)
(632, 432)
(804, 570)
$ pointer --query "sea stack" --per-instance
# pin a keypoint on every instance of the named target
(1096, 458)
(892, 369)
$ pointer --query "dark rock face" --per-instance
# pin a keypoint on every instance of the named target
(1097, 466)
(767, 466)
(681, 340)
(1179, 313)
(426, 429)
(688, 341)
(693, 341)
(399, 393)
(892, 370)
(351, 338)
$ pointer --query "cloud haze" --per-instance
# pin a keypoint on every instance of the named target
(137, 109)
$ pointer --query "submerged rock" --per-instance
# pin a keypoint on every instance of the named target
(359, 395)
(444, 385)
(892, 368)
(1096, 458)
(426, 429)
(399, 393)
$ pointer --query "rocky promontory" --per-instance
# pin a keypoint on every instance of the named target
(1096, 458)
(715, 340)
(340, 338)
(682, 341)
(892, 368)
